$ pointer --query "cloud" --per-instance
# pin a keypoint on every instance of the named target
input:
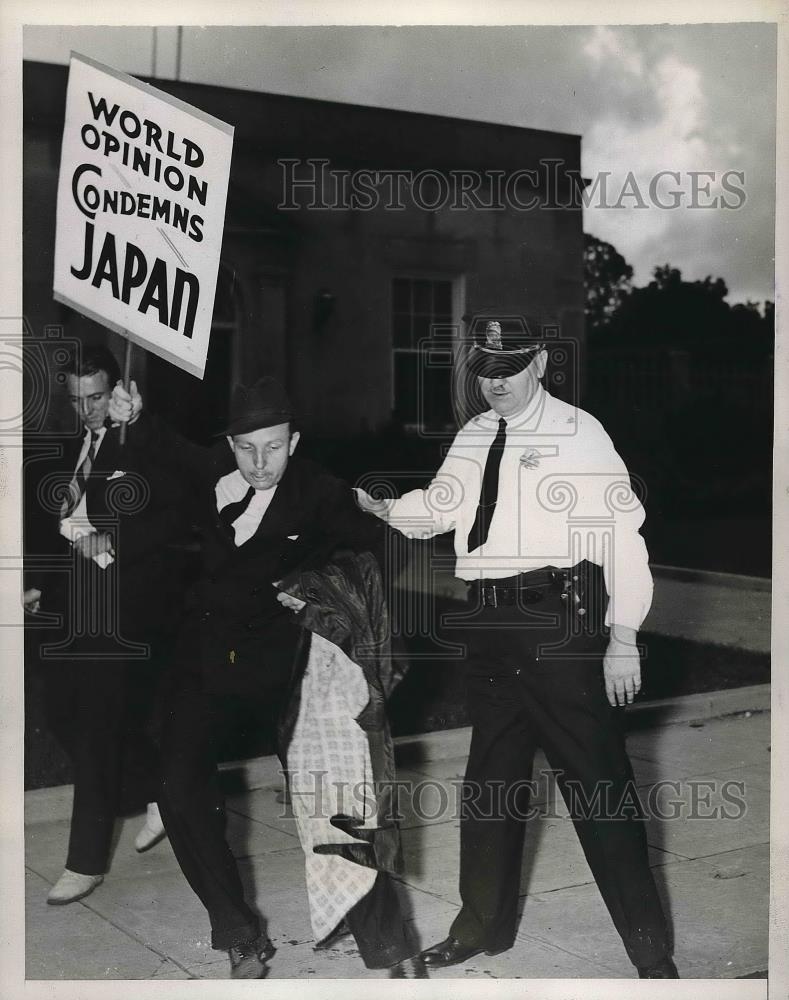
(604, 45)
(643, 98)
(690, 125)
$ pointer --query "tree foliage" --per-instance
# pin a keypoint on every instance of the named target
(669, 311)
(607, 278)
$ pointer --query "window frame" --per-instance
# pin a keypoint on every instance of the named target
(457, 302)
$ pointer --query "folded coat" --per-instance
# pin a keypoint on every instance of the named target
(334, 738)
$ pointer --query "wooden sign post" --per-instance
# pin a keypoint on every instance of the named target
(126, 381)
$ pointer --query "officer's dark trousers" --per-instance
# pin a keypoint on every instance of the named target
(100, 712)
(523, 694)
(193, 809)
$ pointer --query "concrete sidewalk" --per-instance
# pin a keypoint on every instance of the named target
(144, 922)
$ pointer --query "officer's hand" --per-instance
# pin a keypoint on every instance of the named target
(93, 544)
(125, 407)
(31, 600)
(367, 503)
(622, 666)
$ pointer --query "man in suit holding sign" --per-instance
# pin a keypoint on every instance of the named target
(111, 584)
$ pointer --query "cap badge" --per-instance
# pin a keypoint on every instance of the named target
(493, 335)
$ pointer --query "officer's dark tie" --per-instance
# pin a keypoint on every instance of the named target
(79, 480)
(232, 511)
(490, 489)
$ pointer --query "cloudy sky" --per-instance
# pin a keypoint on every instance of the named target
(645, 99)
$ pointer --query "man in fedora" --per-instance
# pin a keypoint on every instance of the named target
(547, 539)
(265, 514)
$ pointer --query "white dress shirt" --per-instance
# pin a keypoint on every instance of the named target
(234, 487)
(78, 523)
(564, 495)
(80, 512)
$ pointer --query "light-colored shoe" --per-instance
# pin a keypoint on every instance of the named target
(72, 886)
(152, 832)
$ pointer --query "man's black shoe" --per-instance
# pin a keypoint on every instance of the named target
(409, 968)
(665, 969)
(453, 952)
(266, 949)
(247, 961)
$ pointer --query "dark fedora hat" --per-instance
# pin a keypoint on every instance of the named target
(497, 352)
(264, 404)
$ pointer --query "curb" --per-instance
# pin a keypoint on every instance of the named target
(706, 705)
(734, 581)
(657, 713)
(50, 804)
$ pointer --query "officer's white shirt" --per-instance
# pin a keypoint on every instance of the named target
(234, 487)
(564, 495)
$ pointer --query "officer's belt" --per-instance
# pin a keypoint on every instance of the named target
(523, 588)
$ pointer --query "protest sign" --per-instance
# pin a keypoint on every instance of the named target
(141, 201)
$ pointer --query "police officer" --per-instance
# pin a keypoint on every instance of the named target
(547, 539)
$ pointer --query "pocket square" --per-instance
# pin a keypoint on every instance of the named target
(117, 474)
(292, 538)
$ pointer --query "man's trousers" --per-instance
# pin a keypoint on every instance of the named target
(100, 712)
(193, 809)
(535, 679)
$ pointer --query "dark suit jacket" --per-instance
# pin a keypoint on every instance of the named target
(134, 598)
(235, 628)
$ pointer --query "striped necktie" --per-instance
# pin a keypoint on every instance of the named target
(76, 488)
(232, 511)
(490, 489)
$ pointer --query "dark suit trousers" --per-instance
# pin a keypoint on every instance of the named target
(100, 713)
(193, 809)
(523, 694)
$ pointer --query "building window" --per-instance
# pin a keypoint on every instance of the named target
(423, 341)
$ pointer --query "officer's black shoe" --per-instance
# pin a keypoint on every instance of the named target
(452, 952)
(664, 969)
(247, 961)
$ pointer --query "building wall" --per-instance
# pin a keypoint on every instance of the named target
(340, 372)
